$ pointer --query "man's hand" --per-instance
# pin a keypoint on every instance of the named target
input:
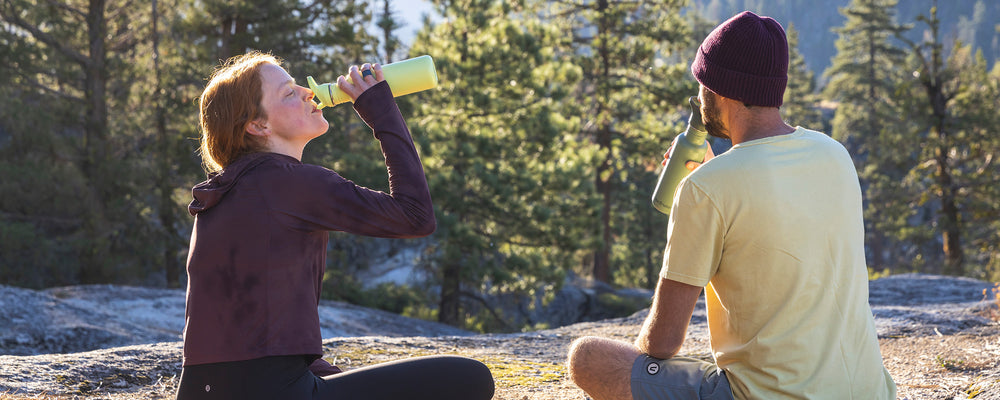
(690, 165)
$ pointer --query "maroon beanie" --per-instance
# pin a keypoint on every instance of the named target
(746, 59)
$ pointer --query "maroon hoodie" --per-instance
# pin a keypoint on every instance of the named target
(258, 248)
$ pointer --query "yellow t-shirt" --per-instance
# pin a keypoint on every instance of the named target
(774, 228)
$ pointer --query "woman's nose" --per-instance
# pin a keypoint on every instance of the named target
(309, 93)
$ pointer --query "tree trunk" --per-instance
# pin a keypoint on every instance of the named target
(95, 144)
(950, 233)
(949, 217)
(388, 42)
(166, 205)
(448, 309)
(602, 255)
(233, 29)
(605, 173)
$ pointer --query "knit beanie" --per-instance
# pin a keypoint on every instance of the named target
(746, 59)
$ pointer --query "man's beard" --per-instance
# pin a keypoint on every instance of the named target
(710, 116)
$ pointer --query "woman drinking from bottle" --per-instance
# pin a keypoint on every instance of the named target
(258, 248)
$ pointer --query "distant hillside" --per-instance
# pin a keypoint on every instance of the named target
(975, 22)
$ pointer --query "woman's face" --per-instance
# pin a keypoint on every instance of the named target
(292, 117)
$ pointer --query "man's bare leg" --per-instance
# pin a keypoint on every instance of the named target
(602, 367)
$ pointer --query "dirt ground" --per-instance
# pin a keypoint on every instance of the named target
(958, 366)
(939, 340)
(530, 366)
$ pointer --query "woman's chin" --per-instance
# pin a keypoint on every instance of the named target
(323, 127)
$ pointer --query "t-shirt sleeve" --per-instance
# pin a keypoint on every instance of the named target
(694, 237)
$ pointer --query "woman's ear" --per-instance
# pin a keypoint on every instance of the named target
(258, 128)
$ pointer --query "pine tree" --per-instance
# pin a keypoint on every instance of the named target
(166, 169)
(388, 23)
(867, 120)
(505, 177)
(632, 93)
(77, 62)
(800, 103)
(975, 159)
(979, 105)
(98, 102)
(951, 164)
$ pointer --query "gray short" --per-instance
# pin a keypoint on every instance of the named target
(678, 378)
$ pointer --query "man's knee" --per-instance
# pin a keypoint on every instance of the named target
(601, 366)
(580, 359)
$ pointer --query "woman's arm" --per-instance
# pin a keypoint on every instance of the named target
(309, 197)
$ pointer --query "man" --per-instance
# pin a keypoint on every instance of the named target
(772, 230)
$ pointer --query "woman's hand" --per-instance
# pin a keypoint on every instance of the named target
(360, 79)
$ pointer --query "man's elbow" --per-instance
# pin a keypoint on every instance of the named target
(665, 354)
(662, 348)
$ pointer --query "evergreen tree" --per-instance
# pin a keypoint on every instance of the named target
(975, 158)
(305, 34)
(173, 162)
(957, 150)
(388, 23)
(98, 102)
(800, 103)
(939, 87)
(983, 191)
(74, 60)
(633, 93)
(505, 176)
(863, 77)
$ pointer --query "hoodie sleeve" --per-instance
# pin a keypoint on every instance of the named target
(309, 197)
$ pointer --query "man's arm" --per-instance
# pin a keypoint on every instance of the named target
(663, 332)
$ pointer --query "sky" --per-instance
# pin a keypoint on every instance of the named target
(412, 13)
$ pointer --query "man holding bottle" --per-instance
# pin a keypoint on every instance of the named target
(773, 231)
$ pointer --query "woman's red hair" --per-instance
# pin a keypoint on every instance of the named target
(231, 100)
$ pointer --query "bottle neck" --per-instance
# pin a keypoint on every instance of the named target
(695, 136)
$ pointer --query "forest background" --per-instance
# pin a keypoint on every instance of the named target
(541, 146)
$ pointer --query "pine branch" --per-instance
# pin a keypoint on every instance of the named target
(11, 16)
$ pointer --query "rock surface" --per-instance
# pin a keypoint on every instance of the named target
(937, 337)
(81, 318)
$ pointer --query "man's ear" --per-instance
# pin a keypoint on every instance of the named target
(258, 128)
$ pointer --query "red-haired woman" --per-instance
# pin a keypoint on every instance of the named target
(258, 248)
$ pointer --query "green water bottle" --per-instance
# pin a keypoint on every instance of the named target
(690, 145)
(404, 77)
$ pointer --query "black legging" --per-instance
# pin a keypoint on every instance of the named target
(288, 377)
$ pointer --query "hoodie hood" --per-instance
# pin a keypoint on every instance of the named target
(210, 192)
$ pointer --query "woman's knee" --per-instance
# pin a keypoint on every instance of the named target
(479, 376)
(472, 378)
(429, 377)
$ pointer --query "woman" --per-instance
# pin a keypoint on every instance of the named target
(258, 248)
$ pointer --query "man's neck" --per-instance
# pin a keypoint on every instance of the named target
(752, 123)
